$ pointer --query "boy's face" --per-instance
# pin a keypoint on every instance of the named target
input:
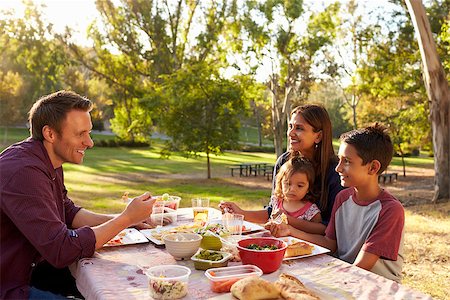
(351, 168)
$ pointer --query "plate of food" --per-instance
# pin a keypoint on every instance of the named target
(298, 248)
(127, 236)
(156, 235)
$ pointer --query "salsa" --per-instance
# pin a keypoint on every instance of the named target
(258, 247)
(209, 255)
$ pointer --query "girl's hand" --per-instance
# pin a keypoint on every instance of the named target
(278, 230)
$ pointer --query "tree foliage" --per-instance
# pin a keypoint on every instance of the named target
(203, 115)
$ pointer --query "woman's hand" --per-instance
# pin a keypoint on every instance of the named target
(278, 230)
(230, 207)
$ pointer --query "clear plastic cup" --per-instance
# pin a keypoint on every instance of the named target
(200, 208)
(233, 222)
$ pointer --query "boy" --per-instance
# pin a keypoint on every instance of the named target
(366, 225)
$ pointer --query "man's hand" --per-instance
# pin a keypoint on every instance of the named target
(139, 208)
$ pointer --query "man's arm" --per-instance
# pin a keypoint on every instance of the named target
(105, 227)
(88, 218)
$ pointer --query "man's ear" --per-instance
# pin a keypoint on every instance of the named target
(375, 166)
(48, 133)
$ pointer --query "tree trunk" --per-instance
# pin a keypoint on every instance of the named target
(439, 97)
(258, 124)
(277, 119)
(208, 164)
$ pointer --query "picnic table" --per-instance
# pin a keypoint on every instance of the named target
(249, 169)
(118, 273)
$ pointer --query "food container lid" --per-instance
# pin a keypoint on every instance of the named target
(226, 256)
(225, 273)
(168, 272)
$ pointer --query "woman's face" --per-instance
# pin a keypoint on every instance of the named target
(301, 136)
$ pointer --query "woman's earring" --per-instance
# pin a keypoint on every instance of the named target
(317, 146)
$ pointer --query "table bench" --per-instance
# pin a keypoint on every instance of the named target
(268, 173)
(243, 170)
(387, 176)
(248, 169)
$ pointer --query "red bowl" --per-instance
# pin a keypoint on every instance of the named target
(267, 260)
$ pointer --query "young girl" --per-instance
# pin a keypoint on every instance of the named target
(292, 195)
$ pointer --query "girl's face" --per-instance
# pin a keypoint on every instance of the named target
(296, 187)
(302, 136)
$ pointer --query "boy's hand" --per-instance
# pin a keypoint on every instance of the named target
(278, 230)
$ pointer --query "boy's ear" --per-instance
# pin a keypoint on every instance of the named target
(375, 166)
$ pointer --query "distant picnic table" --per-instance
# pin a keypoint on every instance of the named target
(253, 169)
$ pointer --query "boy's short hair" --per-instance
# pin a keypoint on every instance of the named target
(371, 143)
(52, 110)
(297, 164)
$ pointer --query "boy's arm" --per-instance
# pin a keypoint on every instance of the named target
(366, 260)
(279, 230)
(312, 226)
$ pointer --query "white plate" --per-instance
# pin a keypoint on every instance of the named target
(249, 227)
(127, 236)
(155, 234)
(316, 251)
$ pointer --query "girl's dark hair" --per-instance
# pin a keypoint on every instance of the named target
(296, 165)
(324, 155)
(52, 110)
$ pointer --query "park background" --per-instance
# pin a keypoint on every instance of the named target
(185, 89)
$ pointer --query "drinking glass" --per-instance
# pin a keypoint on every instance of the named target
(200, 208)
(233, 223)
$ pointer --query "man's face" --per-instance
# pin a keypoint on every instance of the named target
(74, 139)
(351, 168)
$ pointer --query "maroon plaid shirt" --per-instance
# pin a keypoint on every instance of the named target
(35, 218)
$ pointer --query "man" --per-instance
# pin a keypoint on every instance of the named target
(40, 225)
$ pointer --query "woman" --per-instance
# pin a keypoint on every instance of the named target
(309, 136)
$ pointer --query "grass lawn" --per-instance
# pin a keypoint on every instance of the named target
(107, 173)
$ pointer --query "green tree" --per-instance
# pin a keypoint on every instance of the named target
(11, 93)
(203, 115)
(271, 27)
(139, 42)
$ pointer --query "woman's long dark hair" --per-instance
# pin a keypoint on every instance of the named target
(324, 155)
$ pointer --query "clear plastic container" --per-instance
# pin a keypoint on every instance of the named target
(169, 201)
(163, 215)
(168, 281)
(221, 279)
(205, 264)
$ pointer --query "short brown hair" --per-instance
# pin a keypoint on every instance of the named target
(295, 165)
(52, 110)
(371, 143)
